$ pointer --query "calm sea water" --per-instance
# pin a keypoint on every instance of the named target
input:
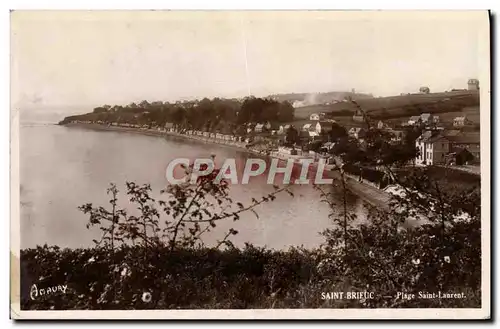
(64, 167)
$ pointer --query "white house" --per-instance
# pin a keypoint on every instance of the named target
(473, 84)
(413, 120)
(426, 118)
(460, 121)
(307, 126)
(310, 129)
(358, 116)
(250, 127)
(259, 127)
(382, 125)
(283, 129)
(433, 148)
(317, 116)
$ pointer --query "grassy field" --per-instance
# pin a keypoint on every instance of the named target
(472, 113)
(303, 113)
(447, 105)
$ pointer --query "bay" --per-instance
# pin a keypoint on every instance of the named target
(62, 168)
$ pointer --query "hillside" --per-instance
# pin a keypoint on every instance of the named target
(400, 107)
(308, 99)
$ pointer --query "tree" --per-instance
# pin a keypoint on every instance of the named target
(424, 90)
(292, 135)
(189, 211)
(179, 116)
(315, 146)
(100, 110)
(262, 110)
(286, 112)
(144, 104)
(337, 132)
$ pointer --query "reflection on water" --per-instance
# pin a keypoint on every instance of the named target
(62, 168)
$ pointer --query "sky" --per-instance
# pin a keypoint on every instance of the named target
(67, 59)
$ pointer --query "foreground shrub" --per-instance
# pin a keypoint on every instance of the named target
(159, 278)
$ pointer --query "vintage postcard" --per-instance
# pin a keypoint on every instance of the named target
(250, 164)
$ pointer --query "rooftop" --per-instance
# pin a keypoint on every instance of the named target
(431, 136)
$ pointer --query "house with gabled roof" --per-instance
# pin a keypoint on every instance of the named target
(259, 127)
(382, 125)
(413, 120)
(433, 148)
(426, 118)
(310, 129)
(317, 116)
(358, 116)
(283, 128)
(307, 126)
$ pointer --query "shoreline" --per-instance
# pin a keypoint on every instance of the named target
(149, 132)
(367, 192)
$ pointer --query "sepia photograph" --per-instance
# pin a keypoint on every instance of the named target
(318, 164)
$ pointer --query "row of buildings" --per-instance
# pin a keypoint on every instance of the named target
(439, 146)
(436, 145)
(428, 118)
(424, 118)
(314, 129)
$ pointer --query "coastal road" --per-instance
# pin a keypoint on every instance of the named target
(376, 197)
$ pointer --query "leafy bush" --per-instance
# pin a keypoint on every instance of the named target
(184, 278)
